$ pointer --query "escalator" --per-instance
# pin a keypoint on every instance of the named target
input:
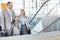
(35, 19)
(42, 23)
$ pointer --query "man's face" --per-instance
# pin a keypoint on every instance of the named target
(10, 6)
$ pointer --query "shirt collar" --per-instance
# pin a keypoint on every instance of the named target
(8, 9)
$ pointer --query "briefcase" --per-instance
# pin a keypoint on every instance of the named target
(3, 34)
(29, 31)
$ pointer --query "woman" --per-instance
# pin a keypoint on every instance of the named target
(24, 23)
(16, 27)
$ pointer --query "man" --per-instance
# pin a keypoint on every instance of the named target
(7, 17)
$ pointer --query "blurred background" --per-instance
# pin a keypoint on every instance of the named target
(44, 15)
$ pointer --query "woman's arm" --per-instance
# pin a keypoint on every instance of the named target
(27, 23)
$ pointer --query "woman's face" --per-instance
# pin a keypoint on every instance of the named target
(22, 13)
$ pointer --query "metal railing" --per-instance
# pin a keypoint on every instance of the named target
(48, 14)
(38, 10)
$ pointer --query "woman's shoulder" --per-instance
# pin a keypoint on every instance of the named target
(19, 17)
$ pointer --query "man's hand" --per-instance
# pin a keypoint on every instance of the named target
(3, 29)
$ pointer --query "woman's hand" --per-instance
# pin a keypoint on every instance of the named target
(28, 28)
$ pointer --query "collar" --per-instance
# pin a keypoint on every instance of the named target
(8, 9)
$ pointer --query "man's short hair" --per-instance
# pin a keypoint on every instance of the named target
(8, 3)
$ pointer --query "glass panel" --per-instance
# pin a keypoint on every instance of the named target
(17, 5)
(30, 3)
(58, 24)
(0, 7)
(34, 10)
(34, 3)
(17, 11)
(5, 1)
(27, 5)
(0, 1)
(48, 29)
(0, 4)
(17, 1)
(0, 12)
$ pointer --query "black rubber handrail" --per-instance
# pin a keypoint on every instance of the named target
(39, 10)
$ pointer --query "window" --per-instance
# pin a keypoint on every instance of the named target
(5, 1)
(17, 5)
(0, 5)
